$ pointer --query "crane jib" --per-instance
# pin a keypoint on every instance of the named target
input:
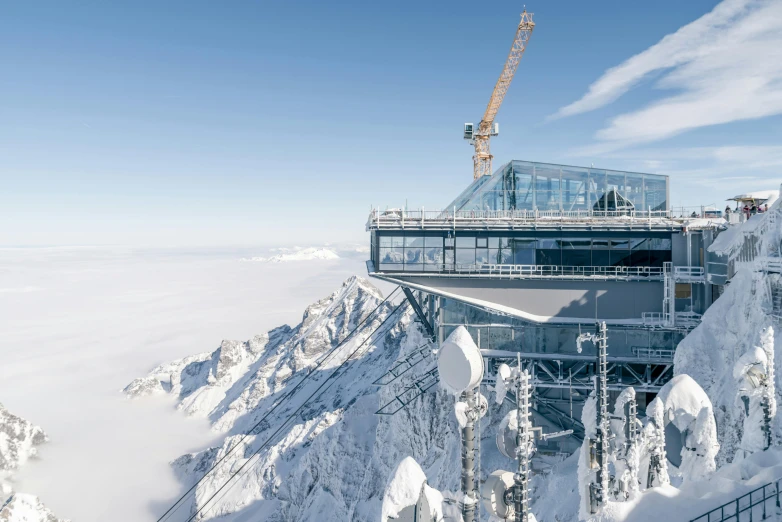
(486, 128)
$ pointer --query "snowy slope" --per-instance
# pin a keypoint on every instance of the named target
(26, 508)
(335, 457)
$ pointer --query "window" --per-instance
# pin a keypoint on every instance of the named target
(465, 256)
(433, 251)
(548, 252)
(620, 252)
(465, 242)
(659, 251)
(576, 252)
(482, 242)
(523, 251)
(600, 255)
(639, 252)
(482, 256)
(414, 251)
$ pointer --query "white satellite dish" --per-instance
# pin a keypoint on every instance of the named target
(459, 362)
(496, 494)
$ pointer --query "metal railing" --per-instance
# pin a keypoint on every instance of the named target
(689, 273)
(643, 352)
(439, 218)
(664, 319)
(521, 271)
(748, 507)
(656, 319)
(557, 270)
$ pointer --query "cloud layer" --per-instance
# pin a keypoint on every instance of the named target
(725, 66)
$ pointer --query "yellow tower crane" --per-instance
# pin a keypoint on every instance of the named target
(487, 127)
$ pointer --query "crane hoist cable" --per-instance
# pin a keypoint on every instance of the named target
(241, 471)
(176, 505)
(486, 128)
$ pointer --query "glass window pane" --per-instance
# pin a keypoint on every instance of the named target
(576, 257)
(391, 266)
(433, 255)
(505, 242)
(449, 259)
(414, 255)
(494, 242)
(391, 255)
(414, 267)
(391, 241)
(549, 257)
(639, 252)
(600, 244)
(433, 241)
(448, 241)
(506, 256)
(660, 244)
(547, 243)
(465, 241)
(465, 256)
(621, 244)
(482, 242)
(619, 257)
(576, 244)
(414, 241)
(482, 255)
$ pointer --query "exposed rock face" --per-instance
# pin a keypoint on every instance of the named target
(331, 461)
(26, 508)
(18, 440)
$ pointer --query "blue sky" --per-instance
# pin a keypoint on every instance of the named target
(205, 123)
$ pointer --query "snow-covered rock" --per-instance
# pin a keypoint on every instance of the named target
(19, 439)
(26, 508)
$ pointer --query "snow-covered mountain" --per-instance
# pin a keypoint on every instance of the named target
(19, 439)
(26, 508)
(331, 462)
(302, 254)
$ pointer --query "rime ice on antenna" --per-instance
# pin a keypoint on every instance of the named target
(460, 366)
(505, 494)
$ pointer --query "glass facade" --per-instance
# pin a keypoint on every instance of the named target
(411, 251)
(525, 185)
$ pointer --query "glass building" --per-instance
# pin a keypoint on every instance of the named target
(526, 185)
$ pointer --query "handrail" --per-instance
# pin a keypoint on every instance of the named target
(422, 218)
(510, 270)
(732, 511)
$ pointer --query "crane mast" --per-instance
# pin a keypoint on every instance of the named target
(487, 128)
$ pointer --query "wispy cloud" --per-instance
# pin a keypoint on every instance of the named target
(726, 66)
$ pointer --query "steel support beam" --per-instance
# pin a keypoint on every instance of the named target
(419, 312)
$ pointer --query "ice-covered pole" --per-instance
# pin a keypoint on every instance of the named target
(523, 438)
(460, 367)
(602, 413)
(468, 459)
